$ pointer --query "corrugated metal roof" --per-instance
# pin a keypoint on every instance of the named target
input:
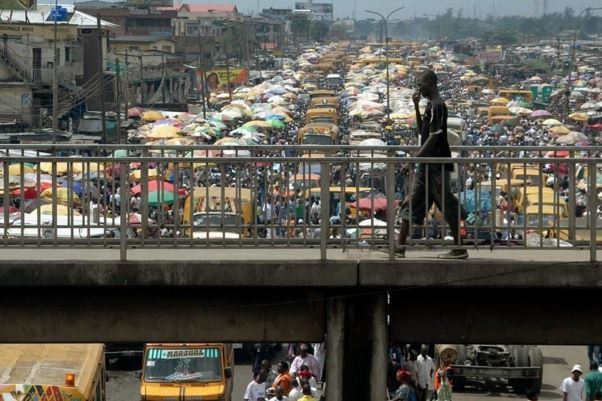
(41, 16)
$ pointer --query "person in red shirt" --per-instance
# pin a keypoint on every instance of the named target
(283, 380)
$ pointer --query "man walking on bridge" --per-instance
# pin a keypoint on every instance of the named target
(431, 182)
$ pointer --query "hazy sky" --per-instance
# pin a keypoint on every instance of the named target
(344, 8)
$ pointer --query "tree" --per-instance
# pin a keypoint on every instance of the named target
(299, 25)
(318, 30)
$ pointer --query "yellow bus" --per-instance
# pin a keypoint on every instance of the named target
(187, 372)
(52, 372)
(515, 94)
(214, 217)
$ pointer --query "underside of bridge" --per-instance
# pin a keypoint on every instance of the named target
(357, 318)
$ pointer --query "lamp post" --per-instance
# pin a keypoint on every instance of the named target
(385, 21)
(573, 51)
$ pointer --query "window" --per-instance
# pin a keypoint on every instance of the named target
(67, 53)
(167, 48)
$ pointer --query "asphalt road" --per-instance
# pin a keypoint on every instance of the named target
(123, 385)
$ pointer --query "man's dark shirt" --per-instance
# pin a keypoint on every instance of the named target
(433, 120)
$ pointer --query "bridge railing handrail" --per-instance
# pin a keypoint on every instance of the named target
(279, 208)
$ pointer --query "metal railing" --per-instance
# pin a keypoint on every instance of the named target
(294, 196)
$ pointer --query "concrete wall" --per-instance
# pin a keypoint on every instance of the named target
(13, 93)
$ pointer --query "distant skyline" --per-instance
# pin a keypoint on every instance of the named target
(480, 8)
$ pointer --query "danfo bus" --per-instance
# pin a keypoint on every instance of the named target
(187, 372)
(52, 372)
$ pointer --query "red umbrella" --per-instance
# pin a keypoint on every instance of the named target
(558, 153)
(153, 186)
(30, 192)
(11, 210)
(379, 204)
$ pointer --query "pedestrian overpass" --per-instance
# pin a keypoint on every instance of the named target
(348, 292)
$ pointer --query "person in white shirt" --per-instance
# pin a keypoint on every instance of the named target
(425, 367)
(572, 387)
(305, 358)
(295, 392)
(279, 395)
(256, 390)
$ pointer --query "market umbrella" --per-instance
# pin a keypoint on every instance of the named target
(30, 192)
(163, 132)
(380, 203)
(152, 115)
(61, 210)
(157, 197)
(520, 111)
(62, 196)
(558, 153)
(501, 101)
(277, 124)
(16, 170)
(136, 175)
(579, 116)
(551, 122)
(258, 124)
(559, 130)
(565, 140)
(154, 185)
(540, 113)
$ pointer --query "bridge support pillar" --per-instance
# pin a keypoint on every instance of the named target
(365, 350)
(335, 346)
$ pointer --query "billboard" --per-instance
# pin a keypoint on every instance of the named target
(217, 78)
(149, 3)
(319, 11)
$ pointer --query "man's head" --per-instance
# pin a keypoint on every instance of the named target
(270, 392)
(279, 392)
(423, 350)
(426, 83)
(576, 372)
(306, 389)
(261, 376)
(294, 383)
(265, 364)
(303, 350)
(282, 367)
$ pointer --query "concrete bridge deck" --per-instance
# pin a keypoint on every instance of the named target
(544, 268)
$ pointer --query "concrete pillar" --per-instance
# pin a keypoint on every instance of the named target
(365, 352)
(380, 343)
(335, 342)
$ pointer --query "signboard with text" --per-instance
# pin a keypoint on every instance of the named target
(149, 3)
(217, 78)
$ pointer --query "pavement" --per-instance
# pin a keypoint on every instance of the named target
(183, 253)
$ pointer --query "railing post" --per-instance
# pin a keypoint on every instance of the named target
(144, 195)
(325, 208)
(390, 185)
(593, 212)
(123, 206)
(572, 178)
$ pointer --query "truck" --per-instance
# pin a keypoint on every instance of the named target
(521, 366)
(187, 372)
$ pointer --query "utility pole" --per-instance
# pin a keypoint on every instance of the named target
(127, 87)
(163, 83)
(228, 71)
(202, 70)
(141, 80)
(55, 78)
(103, 119)
(118, 95)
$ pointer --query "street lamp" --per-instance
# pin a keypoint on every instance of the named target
(573, 51)
(385, 21)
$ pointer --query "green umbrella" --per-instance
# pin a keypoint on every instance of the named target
(155, 196)
(277, 124)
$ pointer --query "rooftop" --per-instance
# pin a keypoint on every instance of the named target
(42, 16)
(138, 38)
(206, 8)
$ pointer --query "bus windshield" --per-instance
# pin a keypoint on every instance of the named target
(310, 139)
(183, 365)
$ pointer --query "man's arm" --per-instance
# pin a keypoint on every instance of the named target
(416, 100)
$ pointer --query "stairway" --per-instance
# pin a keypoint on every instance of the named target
(15, 63)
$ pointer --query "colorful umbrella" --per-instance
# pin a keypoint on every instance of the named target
(62, 196)
(153, 186)
(540, 114)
